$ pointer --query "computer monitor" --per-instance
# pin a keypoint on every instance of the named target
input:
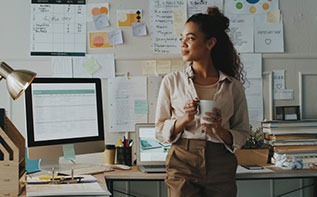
(61, 113)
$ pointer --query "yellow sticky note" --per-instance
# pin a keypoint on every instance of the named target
(149, 67)
(273, 16)
(163, 66)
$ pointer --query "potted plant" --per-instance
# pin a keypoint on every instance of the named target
(255, 151)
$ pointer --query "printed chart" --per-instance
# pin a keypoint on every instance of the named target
(58, 28)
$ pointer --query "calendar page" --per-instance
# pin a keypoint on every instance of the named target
(58, 28)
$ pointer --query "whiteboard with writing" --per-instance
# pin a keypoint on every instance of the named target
(58, 28)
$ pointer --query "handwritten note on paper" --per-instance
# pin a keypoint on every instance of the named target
(200, 6)
(179, 18)
(163, 38)
(268, 37)
(124, 111)
(58, 28)
(241, 33)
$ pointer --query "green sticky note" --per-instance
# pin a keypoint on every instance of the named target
(91, 66)
(140, 107)
(69, 152)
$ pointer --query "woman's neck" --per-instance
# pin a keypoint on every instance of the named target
(205, 74)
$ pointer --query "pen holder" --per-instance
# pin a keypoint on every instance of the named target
(124, 155)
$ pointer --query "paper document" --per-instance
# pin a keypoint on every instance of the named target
(82, 189)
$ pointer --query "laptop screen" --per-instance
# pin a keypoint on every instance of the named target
(149, 150)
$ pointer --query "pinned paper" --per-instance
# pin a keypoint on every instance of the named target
(284, 94)
(69, 151)
(176, 65)
(278, 79)
(99, 40)
(179, 19)
(101, 21)
(149, 67)
(115, 37)
(139, 29)
(91, 65)
(163, 66)
(127, 17)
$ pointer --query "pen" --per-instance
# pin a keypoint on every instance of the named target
(130, 143)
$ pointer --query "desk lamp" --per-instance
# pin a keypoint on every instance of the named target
(17, 80)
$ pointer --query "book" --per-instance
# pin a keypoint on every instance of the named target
(288, 123)
(289, 136)
(2, 118)
(290, 130)
(294, 149)
(291, 142)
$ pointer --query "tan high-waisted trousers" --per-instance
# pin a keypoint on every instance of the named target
(198, 168)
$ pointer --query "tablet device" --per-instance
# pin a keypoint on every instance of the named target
(252, 166)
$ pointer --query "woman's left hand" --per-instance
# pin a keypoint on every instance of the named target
(214, 128)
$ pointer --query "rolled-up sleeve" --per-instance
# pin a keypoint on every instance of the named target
(163, 116)
(239, 122)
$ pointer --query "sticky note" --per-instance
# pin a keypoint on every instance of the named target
(69, 151)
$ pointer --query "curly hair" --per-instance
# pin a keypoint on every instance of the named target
(224, 55)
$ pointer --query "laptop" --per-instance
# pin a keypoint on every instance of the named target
(150, 153)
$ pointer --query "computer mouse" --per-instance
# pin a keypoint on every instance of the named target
(121, 167)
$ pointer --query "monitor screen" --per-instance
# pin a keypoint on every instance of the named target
(63, 111)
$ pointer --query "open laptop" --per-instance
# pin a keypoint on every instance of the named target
(150, 153)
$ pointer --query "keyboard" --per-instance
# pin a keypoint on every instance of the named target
(83, 169)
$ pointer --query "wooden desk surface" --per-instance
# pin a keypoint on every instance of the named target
(135, 174)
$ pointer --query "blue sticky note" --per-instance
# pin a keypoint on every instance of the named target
(69, 151)
(140, 107)
(31, 165)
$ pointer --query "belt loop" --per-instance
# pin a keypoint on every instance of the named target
(187, 144)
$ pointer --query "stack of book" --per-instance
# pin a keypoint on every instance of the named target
(292, 139)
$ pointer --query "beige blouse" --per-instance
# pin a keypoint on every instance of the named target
(178, 87)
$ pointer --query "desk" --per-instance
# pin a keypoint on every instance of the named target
(135, 175)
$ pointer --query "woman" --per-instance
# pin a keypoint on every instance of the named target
(200, 161)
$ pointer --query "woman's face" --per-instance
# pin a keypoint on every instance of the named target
(194, 45)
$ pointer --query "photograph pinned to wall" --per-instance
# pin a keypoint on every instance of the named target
(268, 37)
(99, 40)
(98, 13)
(125, 18)
(250, 6)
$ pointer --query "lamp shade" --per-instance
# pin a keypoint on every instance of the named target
(17, 80)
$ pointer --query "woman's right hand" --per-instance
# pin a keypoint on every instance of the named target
(190, 109)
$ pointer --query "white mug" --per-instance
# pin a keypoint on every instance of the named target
(206, 106)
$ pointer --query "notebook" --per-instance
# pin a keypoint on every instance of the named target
(151, 154)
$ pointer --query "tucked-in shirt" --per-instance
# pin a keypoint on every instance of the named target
(178, 87)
